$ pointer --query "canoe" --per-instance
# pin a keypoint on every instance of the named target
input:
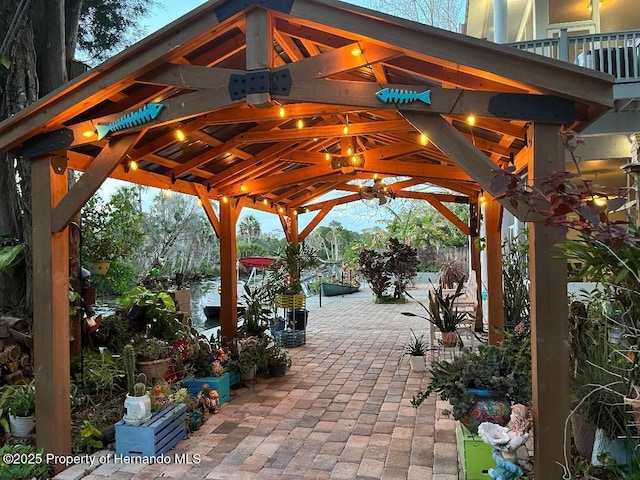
(334, 289)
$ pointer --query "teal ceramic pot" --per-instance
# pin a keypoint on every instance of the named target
(486, 407)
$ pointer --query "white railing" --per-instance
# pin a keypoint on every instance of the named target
(615, 53)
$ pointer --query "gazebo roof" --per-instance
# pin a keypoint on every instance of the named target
(236, 77)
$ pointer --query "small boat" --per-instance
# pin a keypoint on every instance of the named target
(212, 305)
(334, 289)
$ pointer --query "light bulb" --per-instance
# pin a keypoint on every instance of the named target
(423, 139)
(133, 165)
(281, 112)
(471, 120)
(180, 135)
(300, 124)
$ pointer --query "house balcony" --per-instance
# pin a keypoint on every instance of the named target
(615, 53)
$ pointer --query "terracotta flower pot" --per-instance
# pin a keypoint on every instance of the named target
(154, 369)
(450, 339)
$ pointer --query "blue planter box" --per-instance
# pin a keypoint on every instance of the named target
(155, 436)
(221, 384)
(234, 377)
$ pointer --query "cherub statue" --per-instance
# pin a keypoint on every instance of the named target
(217, 370)
(506, 441)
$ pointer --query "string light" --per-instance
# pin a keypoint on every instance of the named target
(133, 165)
(423, 139)
(349, 151)
(282, 112)
(482, 199)
(280, 209)
(327, 156)
(345, 129)
(199, 202)
(300, 124)
(88, 133)
(180, 136)
(225, 199)
(471, 120)
(355, 51)
(243, 187)
(166, 193)
(265, 201)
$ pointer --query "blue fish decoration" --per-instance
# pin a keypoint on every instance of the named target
(144, 114)
(400, 95)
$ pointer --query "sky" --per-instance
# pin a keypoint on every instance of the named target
(355, 216)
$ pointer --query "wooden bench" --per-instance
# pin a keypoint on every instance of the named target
(155, 436)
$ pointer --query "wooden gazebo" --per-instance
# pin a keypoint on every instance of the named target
(281, 102)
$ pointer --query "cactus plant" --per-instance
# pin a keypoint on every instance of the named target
(140, 387)
(129, 361)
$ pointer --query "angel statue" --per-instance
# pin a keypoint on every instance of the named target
(506, 441)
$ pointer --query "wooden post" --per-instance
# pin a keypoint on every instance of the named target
(493, 213)
(50, 312)
(549, 311)
(476, 265)
(228, 270)
(294, 229)
(259, 35)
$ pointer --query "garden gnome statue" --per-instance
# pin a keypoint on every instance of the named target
(208, 399)
(506, 441)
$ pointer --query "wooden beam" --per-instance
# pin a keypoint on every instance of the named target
(500, 62)
(50, 311)
(179, 108)
(98, 84)
(464, 154)
(315, 221)
(549, 310)
(448, 214)
(259, 38)
(228, 271)
(90, 182)
(361, 128)
(493, 215)
(447, 101)
(341, 60)
(201, 192)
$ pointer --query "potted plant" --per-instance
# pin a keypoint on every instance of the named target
(137, 403)
(21, 406)
(250, 356)
(442, 313)
(153, 311)
(257, 315)
(416, 348)
(481, 385)
(153, 357)
(286, 273)
(278, 361)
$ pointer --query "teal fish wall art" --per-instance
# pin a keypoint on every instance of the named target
(144, 114)
(400, 95)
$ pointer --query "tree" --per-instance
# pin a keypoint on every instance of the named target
(249, 229)
(34, 61)
(447, 14)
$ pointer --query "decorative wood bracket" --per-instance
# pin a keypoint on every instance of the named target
(47, 142)
(260, 81)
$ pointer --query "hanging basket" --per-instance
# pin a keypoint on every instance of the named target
(99, 267)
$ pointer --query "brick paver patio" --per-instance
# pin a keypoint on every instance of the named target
(342, 412)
